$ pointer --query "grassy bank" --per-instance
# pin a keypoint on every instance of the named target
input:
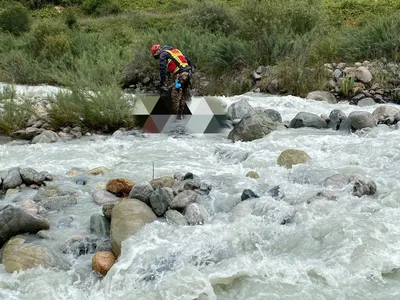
(95, 44)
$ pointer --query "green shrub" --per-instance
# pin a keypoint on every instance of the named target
(16, 112)
(104, 108)
(45, 35)
(210, 16)
(56, 46)
(15, 18)
(297, 77)
(100, 7)
(70, 19)
(16, 66)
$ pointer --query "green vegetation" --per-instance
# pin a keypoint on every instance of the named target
(98, 44)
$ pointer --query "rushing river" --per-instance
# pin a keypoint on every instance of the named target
(343, 249)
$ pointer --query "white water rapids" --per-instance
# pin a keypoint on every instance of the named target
(343, 249)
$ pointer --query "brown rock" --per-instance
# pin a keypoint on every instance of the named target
(73, 172)
(98, 171)
(291, 157)
(120, 186)
(162, 182)
(102, 262)
(252, 174)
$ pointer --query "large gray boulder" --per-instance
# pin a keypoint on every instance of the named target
(27, 134)
(159, 200)
(12, 179)
(254, 125)
(99, 225)
(174, 217)
(127, 218)
(363, 74)
(238, 109)
(196, 214)
(383, 114)
(15, 220)
(183, 199)
(361, 119)
(306, 119)
(338, 120)
(321, 96)
(46, 136)
(31, 176)
(142, 191)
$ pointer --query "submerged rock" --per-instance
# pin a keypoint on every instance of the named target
(104, 197)
(99, 225)
(291, 157)
(248, 194)
(196, 214)
(252, 174)
(19, 255)
(362, 188)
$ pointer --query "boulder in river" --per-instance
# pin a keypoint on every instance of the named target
(104, 197)
(306, 119)
(254, 125)
(196, 214)
(238, 109)
(165, 181)
(142, 191)
(183, 199)
(120, 186)
(127, 218)
(291, 157)
(15, 220)
(18, 255)
(102, 261)
(361, 119)
(321, 96)
(12, 179)
(47, 136)
(174, 217)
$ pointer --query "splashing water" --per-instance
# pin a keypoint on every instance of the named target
(343, 249)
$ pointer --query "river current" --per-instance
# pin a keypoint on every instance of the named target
(343, 249)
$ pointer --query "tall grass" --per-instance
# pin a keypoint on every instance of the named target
(15, 111)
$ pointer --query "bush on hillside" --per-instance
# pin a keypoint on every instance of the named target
(210, 16)
(16, 67)
(100, 7)
(15, 18)
(50, 39)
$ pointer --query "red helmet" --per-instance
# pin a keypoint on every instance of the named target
(154, 49)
